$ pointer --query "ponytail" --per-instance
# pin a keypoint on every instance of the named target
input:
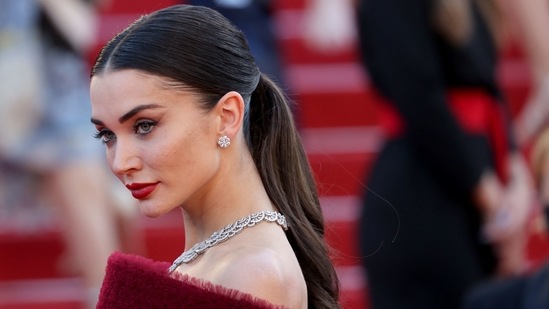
(276, 148)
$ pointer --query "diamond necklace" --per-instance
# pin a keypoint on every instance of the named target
(228, 232)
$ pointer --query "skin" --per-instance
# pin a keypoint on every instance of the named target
(170, 141)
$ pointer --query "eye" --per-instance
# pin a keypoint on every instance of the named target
(144, 127)
(105, 135)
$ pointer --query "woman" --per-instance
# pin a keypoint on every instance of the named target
(189, 122)
(455, 193)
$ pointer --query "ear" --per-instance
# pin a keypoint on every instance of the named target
(230, 109)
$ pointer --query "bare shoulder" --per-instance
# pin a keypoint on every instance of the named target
(266, 274)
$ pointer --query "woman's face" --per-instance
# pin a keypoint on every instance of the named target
(158, 141)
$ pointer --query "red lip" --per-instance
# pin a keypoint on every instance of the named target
(141, 190)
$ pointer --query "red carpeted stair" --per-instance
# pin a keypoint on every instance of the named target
(337, 117)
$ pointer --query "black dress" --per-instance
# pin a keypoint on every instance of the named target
(420, 232)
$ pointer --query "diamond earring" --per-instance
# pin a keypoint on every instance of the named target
(224, 141)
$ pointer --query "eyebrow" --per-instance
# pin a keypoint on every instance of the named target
(130, 113)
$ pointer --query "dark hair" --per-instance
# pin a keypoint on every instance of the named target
(196, 47)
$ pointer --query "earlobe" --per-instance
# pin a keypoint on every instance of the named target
(231, 111)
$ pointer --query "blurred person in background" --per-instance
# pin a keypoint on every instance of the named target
(530, 20)
(448, 198)
(254, 18)
(455, 191)
(531, 290)
(54, 146)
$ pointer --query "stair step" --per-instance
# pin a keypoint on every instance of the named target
(26, 256)
(289, 31)
(354, 288)
(163, 237)
(341, 157)
(342, 229)
(289, 4)
(66, 293)
(136, 7)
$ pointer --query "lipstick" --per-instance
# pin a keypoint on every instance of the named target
(141, 190)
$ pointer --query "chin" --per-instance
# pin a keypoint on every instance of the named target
(150, 211)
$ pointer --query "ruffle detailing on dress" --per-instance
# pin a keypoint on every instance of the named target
(136, 282)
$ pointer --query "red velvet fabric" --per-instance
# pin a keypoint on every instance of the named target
(136, 282)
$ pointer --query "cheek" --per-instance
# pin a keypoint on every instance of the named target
(188, 154)
(179, 151)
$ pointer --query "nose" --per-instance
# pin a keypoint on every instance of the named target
(124, 158)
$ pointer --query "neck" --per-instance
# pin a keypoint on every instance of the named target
(234, 194)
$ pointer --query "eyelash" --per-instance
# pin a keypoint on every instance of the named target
(138, 124)
(101, 134)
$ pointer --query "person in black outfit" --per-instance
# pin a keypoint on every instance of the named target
(429, 228)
